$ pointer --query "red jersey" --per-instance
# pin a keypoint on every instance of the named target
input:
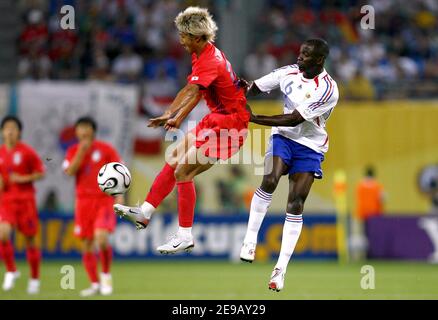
(22, 160)
(213, 72)
(99, 154)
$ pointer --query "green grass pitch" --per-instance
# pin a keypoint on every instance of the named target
(195, 280)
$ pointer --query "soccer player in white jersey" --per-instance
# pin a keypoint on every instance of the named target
(297, 146)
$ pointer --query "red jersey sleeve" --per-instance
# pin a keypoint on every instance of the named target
(204, 72)
(68, 157)
(35, 161)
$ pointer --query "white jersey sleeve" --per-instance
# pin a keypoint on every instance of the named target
(324, 99)
(272, 80)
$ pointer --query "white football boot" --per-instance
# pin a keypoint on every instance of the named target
(106, 284)
(9, 280)
(177, 243)
(132, 214)
(247, 253)
(93, 290)
(277, 280)
(33, 286)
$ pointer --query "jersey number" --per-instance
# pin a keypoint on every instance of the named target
(288, 88)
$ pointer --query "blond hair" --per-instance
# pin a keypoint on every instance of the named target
(198, 22)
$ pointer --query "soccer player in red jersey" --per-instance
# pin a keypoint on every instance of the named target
(20, 166)
(94, 217)
(219, 135)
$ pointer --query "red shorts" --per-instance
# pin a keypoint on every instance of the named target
(92, 214)
(21, 214)
(221, 135)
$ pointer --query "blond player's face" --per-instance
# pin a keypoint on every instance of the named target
(187, 41)
(84, 132)
(10, 132)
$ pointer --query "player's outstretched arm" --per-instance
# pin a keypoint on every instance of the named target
(249, 87)
(282, 120)
(186, 99)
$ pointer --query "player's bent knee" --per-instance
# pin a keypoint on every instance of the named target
(30, 241)
(5, 233)
(295, 206)
(102, 240)
(172, 159)
(269, 183)
(87, 246)
(102, 244)
(181, 174)
(3, 236)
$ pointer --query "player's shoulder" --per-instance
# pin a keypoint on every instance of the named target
(211, 53)
(214, 57)
(71, 150)
(328, 78)
(104, 145)
(327, 85)
(287, 70)
(24, 147)
(73, 147)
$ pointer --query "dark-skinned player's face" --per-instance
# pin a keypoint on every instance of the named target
(307, 58)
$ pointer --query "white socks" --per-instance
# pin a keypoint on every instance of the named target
(291, 233)
(185, 232)
(259, 206)
(147, 209)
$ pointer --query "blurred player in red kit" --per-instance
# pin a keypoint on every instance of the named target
(20, 166)
(219, 135)
(94, 217)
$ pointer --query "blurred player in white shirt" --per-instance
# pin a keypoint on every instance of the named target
(297, 145)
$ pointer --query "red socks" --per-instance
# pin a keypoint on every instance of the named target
(7, 252)
(90, 263)
(33, 256)
(106, 256)
(34, 259)
(186, 203)
(162, 186)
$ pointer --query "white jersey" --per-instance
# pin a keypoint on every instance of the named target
(313, 98)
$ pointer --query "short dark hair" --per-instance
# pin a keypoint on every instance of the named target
(370, 171)
(320, 47)
(12, 118)
(87, 120)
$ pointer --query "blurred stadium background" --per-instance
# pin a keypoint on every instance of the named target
(123, 64)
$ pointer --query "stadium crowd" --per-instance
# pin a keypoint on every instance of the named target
(134, 40)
